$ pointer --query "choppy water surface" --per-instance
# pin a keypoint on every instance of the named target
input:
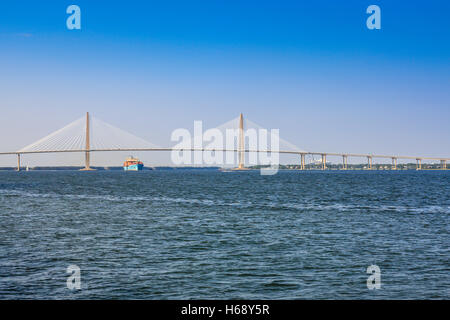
(185, 234)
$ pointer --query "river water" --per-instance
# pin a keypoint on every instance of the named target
(185, 234)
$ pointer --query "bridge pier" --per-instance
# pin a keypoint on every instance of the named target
(394, 163)
(324, 161)
(302, 161)
(418, 164)
(369, 162)
(87, 162)
(18, 162)
(344, 162)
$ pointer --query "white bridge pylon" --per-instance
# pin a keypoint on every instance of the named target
(244, 145)
(102, 135)
(86, 134)
(89, 134)
(250, 125)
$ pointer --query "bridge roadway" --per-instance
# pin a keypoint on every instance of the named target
(301, 153)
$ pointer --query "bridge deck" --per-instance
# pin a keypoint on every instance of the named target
(357, 155)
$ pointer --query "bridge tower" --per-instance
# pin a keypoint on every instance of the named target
(241, 144)
(87, 158)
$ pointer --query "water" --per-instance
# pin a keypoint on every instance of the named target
(185, 234)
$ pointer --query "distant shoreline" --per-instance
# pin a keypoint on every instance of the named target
(334, 167)
(76, 168)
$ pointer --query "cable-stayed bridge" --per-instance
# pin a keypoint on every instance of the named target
(91, 135)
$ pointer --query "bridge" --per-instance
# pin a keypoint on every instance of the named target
(77, 138)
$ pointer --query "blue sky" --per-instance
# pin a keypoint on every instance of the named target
(311, 69)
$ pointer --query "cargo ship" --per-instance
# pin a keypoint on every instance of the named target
(132, 164)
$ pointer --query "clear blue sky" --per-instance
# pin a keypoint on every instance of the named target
(311, 69)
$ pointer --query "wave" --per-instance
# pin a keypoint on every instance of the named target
(340, 207)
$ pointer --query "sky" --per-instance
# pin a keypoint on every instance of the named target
(311, 69)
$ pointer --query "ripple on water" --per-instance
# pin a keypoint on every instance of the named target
(196, 234)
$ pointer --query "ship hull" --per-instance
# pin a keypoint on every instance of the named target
(133, 167)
